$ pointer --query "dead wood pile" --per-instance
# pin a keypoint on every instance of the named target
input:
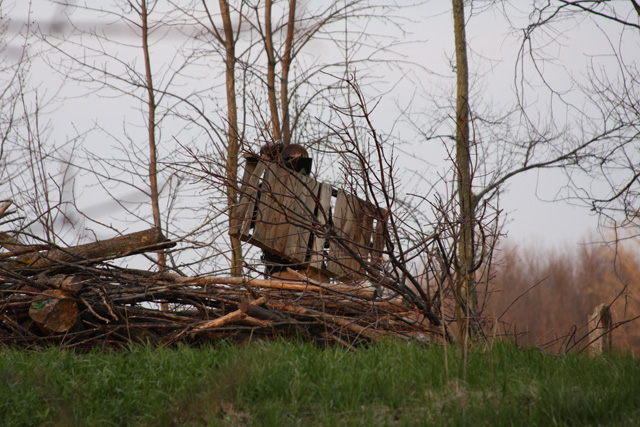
(75, 297)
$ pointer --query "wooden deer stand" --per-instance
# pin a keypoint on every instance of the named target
(319, 230)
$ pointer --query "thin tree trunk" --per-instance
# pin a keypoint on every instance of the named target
(286, 66)
(465, 278)
(232, 147)
(151, 126)
(271, 72)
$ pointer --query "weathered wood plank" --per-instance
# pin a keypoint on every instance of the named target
(364, 230)
(302, 217)
(354, 223)
(338, 258)
(323, 216)
(249, 195)
(54, 310)
(600, 327)
(378, 240)
(272, 225)
(361, 231)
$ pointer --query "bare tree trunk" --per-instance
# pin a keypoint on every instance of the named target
(465, 298)
(151, 126)
(286, 66)
(271, 71)
(232, 147)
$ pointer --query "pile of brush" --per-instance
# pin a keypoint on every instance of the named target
(75, 297)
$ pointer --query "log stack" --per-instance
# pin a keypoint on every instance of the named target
(85, 304)
(76, 297)
(108, 306)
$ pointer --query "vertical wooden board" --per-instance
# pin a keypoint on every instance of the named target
(242, 207)
(286, 200)
(352, 230)
(263, 207)
(337, 256)
(378, 240)
(355, 221)
(371, 236)
(323, 216)
(272, 226)
(249, 194)
(301, 217)
(359, 231)
(363, 230)
(266, 215)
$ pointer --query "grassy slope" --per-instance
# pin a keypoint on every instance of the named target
(288, 384)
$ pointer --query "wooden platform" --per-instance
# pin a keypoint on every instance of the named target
(309, 223)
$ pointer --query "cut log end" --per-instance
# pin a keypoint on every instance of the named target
(54, 311)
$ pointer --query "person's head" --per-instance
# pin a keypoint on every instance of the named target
(296, 157)
(293, 151)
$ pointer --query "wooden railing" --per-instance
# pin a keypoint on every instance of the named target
(310, 224)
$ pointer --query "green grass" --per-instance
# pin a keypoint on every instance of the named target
(281, 384)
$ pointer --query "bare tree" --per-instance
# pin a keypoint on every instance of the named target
(271, 68)
(465, 289)
(141, 8)
(228, 38)
(608, 116)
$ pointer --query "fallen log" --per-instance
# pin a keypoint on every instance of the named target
(60, 281)
(14, 249)
(248, 320)
(121, 246)
(10, 243)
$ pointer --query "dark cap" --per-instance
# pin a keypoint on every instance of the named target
(294, 150)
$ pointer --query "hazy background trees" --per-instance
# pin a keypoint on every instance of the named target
(543, 296)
